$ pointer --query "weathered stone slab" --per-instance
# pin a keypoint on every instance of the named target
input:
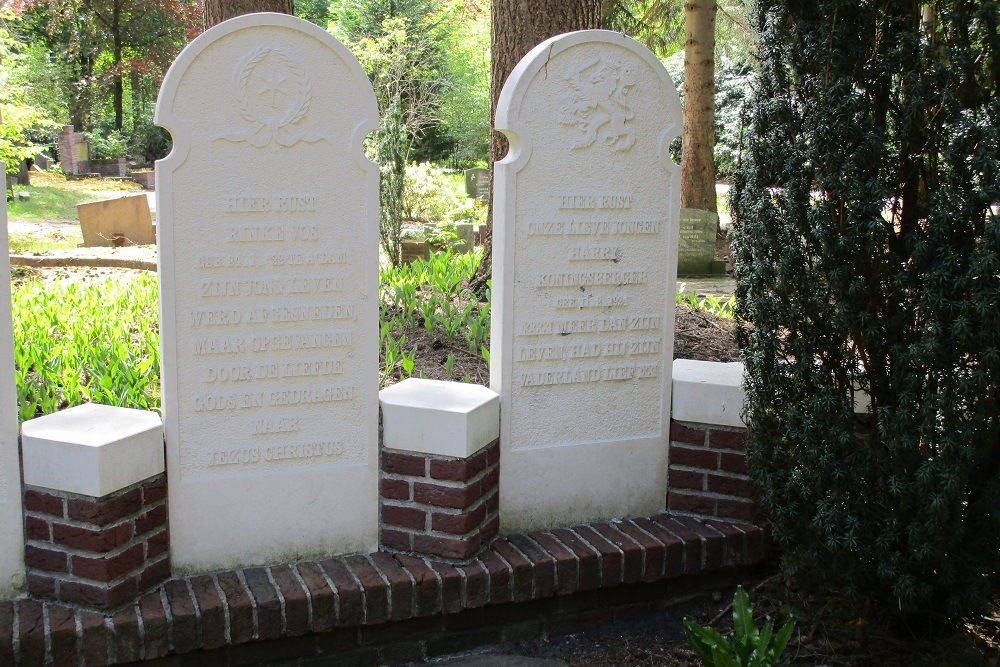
(696, 243)
(268, 240)
(11, 522)
(477, 183)
(121, 221)
(584, 259)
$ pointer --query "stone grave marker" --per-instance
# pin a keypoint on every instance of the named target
(11, 522)
(120, 221)
(584, 272)
(268, 241)
(477, 183)
(696, 246)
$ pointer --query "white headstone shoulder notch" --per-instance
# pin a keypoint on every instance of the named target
(584, 271)
(11, 521)
(268, 252)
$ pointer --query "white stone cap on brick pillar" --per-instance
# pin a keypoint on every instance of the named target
(454, 419)
(92, 449)
(708, 392)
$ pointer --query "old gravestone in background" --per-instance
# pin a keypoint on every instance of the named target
(584, 259)
(696, 244)
(268, 237)
(11, 522)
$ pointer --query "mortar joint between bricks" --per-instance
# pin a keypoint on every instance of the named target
(281, 600)
(309, 598)
(168, 614)
(197, 611)
(534, 579)
(707, 494)
(663, 561)
(109, 625)
(364, 597)
(141, 624)
(226, 618)
(74, 551)
(253, 603)
(600, 556)
(413, 589)
(47, 634)
(709, 471)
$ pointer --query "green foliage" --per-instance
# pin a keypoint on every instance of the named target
(659, 24)
(747, 646)
(25, 122)
(465, 101)
(107, 147)
(75, 343)
(867, 257)
(719, 306)
(428, 193)
(148, 142)
(429, 293)
(314, 11)
(400, 45)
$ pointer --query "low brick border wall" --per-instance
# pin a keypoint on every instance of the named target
(352, 606)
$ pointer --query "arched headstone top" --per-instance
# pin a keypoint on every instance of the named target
(273, 94)
(607, 85)
(585, 229)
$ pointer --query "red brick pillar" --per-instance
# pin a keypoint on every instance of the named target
(440, 506)
(440, 469)
(708, 470)
(98, 552)
(95, 505)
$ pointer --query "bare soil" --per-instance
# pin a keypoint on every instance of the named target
(830, 631)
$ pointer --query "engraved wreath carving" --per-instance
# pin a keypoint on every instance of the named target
(272, 93)
(597, 99)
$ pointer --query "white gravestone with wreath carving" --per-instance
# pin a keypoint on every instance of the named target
(584, 270)
(11, 521)
(268, 240)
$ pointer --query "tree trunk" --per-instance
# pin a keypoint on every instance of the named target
(519, 26)
(217, 11)
(698, 142)
(119, 88)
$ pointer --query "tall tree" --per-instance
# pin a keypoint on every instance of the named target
(121, 37)
(217, 11)
(518, 27)
(698, 139)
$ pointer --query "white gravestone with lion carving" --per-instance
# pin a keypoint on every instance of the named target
(268, 240)
(584, 270)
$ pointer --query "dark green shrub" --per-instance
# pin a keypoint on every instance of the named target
(867, 259)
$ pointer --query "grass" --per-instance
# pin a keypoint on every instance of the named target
(41, 243)
(53, 198)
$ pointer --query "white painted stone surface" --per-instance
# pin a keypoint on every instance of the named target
(92, 449)
(586, 211)
(268, 245)
(436, 417)
(709, 392)
(11, 522)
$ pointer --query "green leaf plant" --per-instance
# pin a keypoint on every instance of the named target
(746, 646)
